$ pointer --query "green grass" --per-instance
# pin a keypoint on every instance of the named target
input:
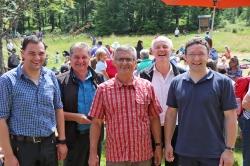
(238, 42)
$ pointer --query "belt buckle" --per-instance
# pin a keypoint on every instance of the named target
(36, 140)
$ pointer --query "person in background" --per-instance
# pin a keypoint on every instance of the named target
(145, 61)
(13, 60)
(31, 111)
(212, 52)
(95, 48)
(78, 88)
(206, 106)
(222, 64)
(111, 69)
(130, 109)
(176, 32)
(234, 71)
(138, 48)
(101, 65)
(227, 53)
(10, 46)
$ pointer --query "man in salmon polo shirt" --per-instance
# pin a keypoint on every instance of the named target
(131, 112)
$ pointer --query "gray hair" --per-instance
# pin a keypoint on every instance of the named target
(126, 48)
(79, 45)
(162, 38)
(144, 54)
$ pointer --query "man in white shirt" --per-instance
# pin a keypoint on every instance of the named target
(161, 74)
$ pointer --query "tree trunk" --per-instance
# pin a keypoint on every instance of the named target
(52, 21)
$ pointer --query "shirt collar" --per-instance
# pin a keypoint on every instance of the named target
(208, 76)
(89, 75)
(20, 72)
(120, 84)
(169, 72)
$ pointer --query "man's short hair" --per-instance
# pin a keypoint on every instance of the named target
(31, 39)
(162, 38)
(126, 48)
(79, 45)
(197, 40)
(144, 54)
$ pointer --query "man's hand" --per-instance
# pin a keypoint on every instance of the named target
(10, 160)
(93, 160)
(227, 158)
(62, 151)
(157, 155)
(169, 153)
(82, 119)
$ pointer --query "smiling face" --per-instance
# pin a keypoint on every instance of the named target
(197, 56)
(33, 56)
(161, 48)
(125, 63)
(79, 59)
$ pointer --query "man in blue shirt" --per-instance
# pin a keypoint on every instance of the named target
(78, 88)
(31, 110)
(206, 105)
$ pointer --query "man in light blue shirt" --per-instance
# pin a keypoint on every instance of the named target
(31, 110)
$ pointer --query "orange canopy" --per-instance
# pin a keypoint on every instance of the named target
(219, 4)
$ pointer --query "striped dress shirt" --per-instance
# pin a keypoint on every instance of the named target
(126, 110)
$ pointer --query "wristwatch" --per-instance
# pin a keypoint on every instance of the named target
(229, 148)
(61, 141)
(157, 144)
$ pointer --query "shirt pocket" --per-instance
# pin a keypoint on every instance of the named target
(142, 103)
(46, 96)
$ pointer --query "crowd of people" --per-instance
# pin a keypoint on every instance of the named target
(143, 101)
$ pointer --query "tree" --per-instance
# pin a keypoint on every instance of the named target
(10, 11)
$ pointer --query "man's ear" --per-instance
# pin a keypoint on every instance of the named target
(22, 52)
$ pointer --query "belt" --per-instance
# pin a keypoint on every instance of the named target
(34, 140)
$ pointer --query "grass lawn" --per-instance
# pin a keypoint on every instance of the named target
(238, 42)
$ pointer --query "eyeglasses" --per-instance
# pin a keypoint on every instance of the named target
(194, 55)
(127, 60)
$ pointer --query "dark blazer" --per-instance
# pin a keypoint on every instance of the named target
(148, 72)
(69, 93)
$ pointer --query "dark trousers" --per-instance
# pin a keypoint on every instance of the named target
(35, 154)
(196, 161)
(173, 143)
(78, 152)
(245, 130)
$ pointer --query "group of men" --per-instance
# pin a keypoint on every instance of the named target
(44, 119)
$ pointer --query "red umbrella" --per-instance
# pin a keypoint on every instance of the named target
(219, 4)
(215, 4)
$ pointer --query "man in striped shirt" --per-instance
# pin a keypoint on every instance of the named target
(131, 111)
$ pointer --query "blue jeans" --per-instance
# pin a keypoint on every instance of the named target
(245, 129)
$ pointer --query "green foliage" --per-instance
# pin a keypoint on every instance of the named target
(105, 17)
